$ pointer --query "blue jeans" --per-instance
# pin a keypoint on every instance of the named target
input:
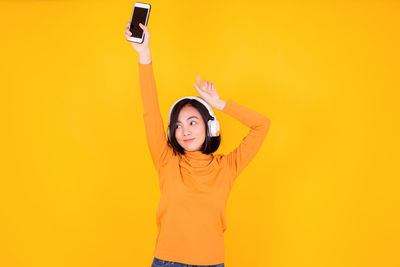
(161, 263)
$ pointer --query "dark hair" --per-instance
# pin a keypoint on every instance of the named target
(210, 144)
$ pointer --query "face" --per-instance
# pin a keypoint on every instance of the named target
(190, 125)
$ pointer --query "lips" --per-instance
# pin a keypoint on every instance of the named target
(188, 140)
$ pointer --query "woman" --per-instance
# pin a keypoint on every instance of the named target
(194, 183)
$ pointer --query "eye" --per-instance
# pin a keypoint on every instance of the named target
(176, 126)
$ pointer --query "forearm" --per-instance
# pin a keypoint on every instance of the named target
(247, 116)
(145, 57)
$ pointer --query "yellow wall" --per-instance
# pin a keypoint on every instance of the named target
(77, 184)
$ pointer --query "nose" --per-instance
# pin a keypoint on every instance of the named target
(186, 131)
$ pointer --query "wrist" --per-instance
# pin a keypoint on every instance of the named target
(220, 104)
(145, 57)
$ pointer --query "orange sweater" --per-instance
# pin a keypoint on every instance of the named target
(194, 187)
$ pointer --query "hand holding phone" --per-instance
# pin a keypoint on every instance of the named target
(139, 47)
(140, 14)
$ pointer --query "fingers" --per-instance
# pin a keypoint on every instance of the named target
(197, 88)
(127, 31)
(198, 80)
(207, 85)
(146, 30)
(143, 27)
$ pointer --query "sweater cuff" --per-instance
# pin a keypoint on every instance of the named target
(145, 65)
(228, 106)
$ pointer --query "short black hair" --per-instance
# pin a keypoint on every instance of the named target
(210, 145)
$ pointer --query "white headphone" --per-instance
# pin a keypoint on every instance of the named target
(213, 124)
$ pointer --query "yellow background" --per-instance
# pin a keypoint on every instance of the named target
(77, 184)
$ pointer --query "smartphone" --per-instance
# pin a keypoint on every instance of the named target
(141, 12)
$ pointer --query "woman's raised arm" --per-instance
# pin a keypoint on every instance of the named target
(156, 138)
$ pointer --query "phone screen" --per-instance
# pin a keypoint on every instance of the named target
(139, 16)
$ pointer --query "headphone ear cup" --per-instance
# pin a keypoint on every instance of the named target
(217, 129)
(213, 127)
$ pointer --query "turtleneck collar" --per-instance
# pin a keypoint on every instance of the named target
(197, 155)
(194, 162)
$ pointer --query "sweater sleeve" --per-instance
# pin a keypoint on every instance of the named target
(259, 126)
(157, 141)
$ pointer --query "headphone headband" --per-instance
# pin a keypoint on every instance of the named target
(192, 97)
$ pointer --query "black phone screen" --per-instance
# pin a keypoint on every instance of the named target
(139, 16)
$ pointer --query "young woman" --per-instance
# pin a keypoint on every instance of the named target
(194, 183)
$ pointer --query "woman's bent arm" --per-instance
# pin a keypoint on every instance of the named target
(259, 126)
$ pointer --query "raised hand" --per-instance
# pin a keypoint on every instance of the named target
(208, 92)
(143, 47)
